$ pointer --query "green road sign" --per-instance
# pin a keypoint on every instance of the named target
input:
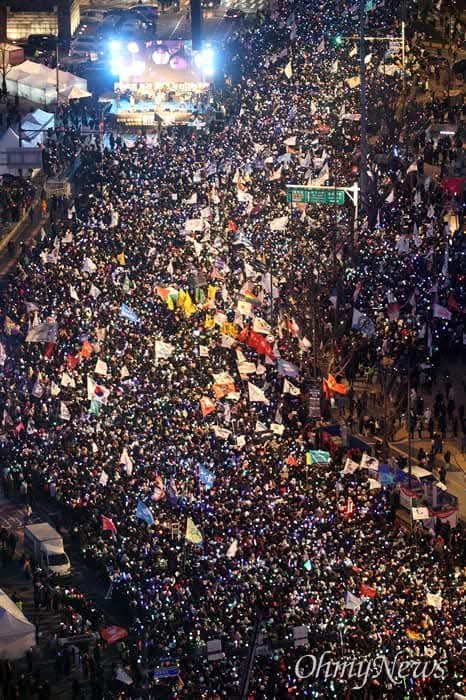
(308, 195)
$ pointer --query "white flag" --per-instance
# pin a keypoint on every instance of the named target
(350, 466)
(232, 549)
(73, 293)
(88, 266)
(66, 380)
(101, 368)
(103, 481)
(244, 307)
(94, 291)
(54, 389)
(279, 224)
(194, 225)
(261, 326)
(289, 388)
(192, 199)
(43, 332)
(223, 378)
(64, 412)
(352, 602)
(288, 70)
(222, 433)
(246, 367)
(368, 462)
(163, 350)
(126, 460)
(435, 601)
(256, 395)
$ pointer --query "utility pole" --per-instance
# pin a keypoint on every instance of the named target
(249, 664)
(363, 105)
(57, 73)
(410, 467)
(403, 57)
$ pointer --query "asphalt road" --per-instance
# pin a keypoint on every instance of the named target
(175, 25)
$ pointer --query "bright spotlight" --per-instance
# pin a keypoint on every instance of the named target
(138, 67)
(115, 46)
(205, 61)
(208, 54)
(133, 47)
(116, 65)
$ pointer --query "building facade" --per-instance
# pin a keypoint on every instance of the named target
(58, 17)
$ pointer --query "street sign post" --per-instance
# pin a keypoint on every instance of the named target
(315, 195)
(320, 194)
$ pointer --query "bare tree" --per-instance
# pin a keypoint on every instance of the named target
(5, 66)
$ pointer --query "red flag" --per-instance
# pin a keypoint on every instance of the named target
(108, 524)
(20, 426)
(207, 406)
(293, 327)
(86, 350)
(232, 225)
(49, 350)
(453, 304)
(257, 342)
(292, 461)
(72, 361)
(113, 633)
(335, 386)
(367, 590)
(243, 336)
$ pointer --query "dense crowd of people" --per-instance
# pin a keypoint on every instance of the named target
(158, 355)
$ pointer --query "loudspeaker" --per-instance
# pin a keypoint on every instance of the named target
(196, 24)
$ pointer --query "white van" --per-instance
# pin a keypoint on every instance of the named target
(45, 546)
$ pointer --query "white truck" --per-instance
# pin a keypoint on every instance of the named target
(45, 546)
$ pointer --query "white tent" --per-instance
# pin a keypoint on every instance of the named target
(17, 634)
(34, 126)
(38, 83)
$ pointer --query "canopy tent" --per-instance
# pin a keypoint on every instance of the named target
(17, 634)
(38, 83)
(34, 126)
(77, 93)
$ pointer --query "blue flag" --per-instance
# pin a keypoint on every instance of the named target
(206, 477)
(144, 513)
(128, 313)
(172, 493)
(287, 369)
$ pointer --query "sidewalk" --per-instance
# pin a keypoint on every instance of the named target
(456, 473)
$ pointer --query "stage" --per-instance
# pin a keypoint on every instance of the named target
(150, 113)
(161, 87)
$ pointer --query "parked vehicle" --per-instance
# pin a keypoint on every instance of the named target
(45, 546)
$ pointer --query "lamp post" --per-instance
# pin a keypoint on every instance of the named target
(363, 104)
